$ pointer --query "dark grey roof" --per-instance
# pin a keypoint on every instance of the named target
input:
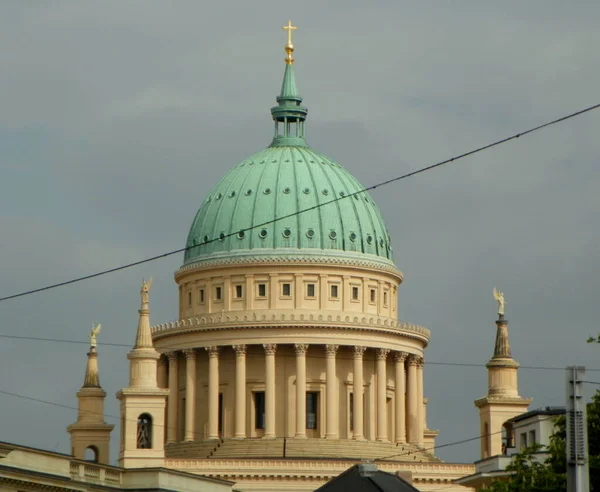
(538, 411)
(367, 478)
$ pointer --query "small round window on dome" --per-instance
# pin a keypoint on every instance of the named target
(306, 191)
(232, 194)
(311, 161)
(356, 197)
(242, 164)
(342, 193)
(352, 236)
(333, 234)
(299, 160)
(310, 233)
(251, 163)
(267, 191)
(195, 241)
(262, 162)
(287, 160)
(263, 233)
(248, 192)
(241, 234)
(286, 190)
(287, 232)
(219, 196)
(205, 239)
(369, 239)
(381, 243)
(325, 191)
(208, 198)
(222, 236)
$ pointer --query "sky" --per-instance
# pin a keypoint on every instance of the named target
(117, 118)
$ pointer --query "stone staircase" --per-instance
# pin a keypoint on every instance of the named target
(298, 449)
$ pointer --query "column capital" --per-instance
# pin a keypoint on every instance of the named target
(382, 353)
(420, 362)
(400, 356)
(240, 350)
(300, 348)
(173, 355)
(270, 348)
(331, 350)
(190, 353)
(413, 360)
(213, 351)
(359, 351)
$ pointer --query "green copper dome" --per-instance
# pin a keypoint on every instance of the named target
(282, 181)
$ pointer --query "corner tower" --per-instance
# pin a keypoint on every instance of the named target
(90, 435)
(142, 402)
(502, 401)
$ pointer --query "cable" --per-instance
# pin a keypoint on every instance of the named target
(427, 362)
(314, 207)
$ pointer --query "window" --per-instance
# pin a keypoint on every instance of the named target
(144, 431)
(373, 294)
(262, 290)
(532, 437)
(334, 291)
(385, 299)
(189, 298)
(355, 293)
(201, 296)
(239, 291)
(523, 440)
(91, 454)
(312, 406)
(286, 289)
(310, 290)
(218, 293)
(259, 410)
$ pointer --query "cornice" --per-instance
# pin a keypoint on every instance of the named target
(251, 319)
(502, 400)
(302, 257)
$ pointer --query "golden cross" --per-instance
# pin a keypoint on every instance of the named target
(289, 28)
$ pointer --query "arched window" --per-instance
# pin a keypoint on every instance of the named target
(486, 440)
(91, 454)
(144, 431)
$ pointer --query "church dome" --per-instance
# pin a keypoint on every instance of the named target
(288, 200)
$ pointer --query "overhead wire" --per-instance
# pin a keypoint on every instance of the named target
(175, 346)
(314, 207)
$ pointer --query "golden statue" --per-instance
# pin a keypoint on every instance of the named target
(145, 289)
(499, 297)
(94, 334)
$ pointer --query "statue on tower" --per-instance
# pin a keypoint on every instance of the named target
(94, 334)
(499, 297)
(145, 289)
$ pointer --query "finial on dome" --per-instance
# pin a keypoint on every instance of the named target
(143, 337)
(289, 47)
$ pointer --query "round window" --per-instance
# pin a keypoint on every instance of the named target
(287, 232)
(263, 233)
(222, 236)
(332, 234)
(310, 233)
(267, 191)
(241, 235)
(248, 192)
(286, 190)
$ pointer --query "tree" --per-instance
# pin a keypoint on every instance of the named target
(531, 475)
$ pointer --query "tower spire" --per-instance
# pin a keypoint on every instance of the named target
(90, 433)
(143, 339)
(289, 116)
(502, 401)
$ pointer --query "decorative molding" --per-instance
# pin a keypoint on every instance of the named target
(252, 319)
(240, 350)
(412, 360)
(420, 362)
(301, 348)
(400, 356)
(331, 350)
(213, 350)
(382, 353)
(270, 348)
(359, 351)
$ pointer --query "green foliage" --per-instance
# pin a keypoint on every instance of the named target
(530, 475)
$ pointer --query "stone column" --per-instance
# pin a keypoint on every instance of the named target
(400, 417)
(300, 390)
(213, 392)
(240, 391)
(357, 389)
(173, 397)
(382, 394)
(161, 373)
(270, 350)
(412, 404)
(190, 394)
(331, 394)
(420, 403)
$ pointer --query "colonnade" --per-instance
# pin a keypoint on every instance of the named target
(409, 419)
